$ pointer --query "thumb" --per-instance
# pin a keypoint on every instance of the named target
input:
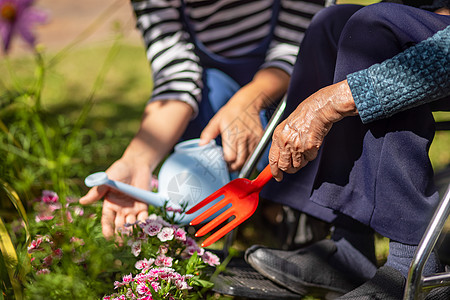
(211, 131)
(94, 194)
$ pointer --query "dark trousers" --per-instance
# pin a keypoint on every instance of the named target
(378, 174)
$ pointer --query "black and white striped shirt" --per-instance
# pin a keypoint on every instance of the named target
(229, 28)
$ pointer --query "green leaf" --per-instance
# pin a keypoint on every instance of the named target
(190, 266)
(202, 283)
(9, 256)
(15, 200)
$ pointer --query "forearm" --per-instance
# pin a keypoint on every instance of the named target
(270, 85)
(162, 125)
(416, 76)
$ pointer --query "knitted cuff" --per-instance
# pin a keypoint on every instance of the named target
(364, 95)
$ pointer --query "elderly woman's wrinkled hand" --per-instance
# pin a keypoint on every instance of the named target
(296, 141)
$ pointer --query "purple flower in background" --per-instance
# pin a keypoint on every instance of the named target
(19, 17)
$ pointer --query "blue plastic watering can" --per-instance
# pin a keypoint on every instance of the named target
(187, 176)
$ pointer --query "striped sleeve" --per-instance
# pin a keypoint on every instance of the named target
(294, 18)
(175, 67)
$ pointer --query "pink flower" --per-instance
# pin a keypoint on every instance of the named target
(57, 253)
(48, 196)
(141, 278)
(48, 260)
(141, 235)
(127, 278)
(43, 271)
(142, 289)
(54, 206)
(174, 276)
(69, 217)
(155, 286)
(70, 200)
(79, 211)
(130, 294)
(194, 248)
(166, 234)
(153, 183)
(43, 217)
(136, 248)
(181, 284)
(190, 242)
(163, 261)
(152, 228)
(45, 208)
(77, 241)
(163, 249)
(18, 17)
(172, 209)
(117, 284)
(180, 234)
(35, 244)
(156, 218)
(210, 258)
(144, 264)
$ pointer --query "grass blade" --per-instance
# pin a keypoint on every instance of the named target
(15, 200)
(9, 256)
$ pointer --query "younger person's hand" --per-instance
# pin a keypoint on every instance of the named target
(152, 142)
(118, 208)
(238, 122)
(239, 125)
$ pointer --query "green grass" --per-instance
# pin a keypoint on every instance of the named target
(118, 103)
(439, 152)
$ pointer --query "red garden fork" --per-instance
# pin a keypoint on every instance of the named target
(242, 194)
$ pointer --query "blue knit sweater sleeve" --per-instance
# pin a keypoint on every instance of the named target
(416, 76)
